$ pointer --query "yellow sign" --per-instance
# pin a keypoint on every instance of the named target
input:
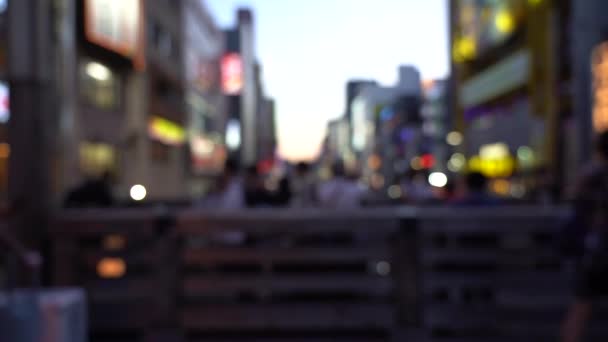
(493, 161)
(166, 131)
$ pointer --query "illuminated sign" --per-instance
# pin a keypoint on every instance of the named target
(600, 88)
(208, 154)
(493, 161)
(166, 131)
(483, 24)
(232, 74)
(5, 108)
(116, 26)
(233, 134)
(359, 138)
(506, 75)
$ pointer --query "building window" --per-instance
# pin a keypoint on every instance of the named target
(162, 41)
(99, 85)
(97, 158)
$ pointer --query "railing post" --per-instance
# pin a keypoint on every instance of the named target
(407, 275)
(63, 251)
(165, 321)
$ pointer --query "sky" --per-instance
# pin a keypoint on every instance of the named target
(309, 49)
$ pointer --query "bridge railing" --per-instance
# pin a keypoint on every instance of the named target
(491, 274)
(456, 274)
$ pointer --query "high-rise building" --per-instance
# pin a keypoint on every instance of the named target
(203, 46)
(353, 87)
(240, 84)
(436, 125)
(266, 132)
(251, 130)
(386, 126)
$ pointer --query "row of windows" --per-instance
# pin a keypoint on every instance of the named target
(100, 86)
(162, 41)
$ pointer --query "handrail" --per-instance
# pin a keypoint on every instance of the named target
(30, 260)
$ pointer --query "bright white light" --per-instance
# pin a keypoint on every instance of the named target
(494, 151)
(138, 192)
(233, 135)
(98, 71)
(454, 138)
(438, 179)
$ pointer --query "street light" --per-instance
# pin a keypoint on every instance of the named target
(138, 192)
(438, 179)
(98, 71)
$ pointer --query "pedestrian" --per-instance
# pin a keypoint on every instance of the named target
(229, 192)
(591, 217)
(255, 193)
(93, 192)
(415, 187)
(476, 192)
(340, 192)
(304, 189)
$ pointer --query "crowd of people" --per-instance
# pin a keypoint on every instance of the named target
(298, 188)
(301, 187)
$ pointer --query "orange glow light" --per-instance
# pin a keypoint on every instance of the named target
(111, 268)
(5, 150)
(374, 162)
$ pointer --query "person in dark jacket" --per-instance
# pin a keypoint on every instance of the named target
(93, 192)
(476, 193)
(591, 209)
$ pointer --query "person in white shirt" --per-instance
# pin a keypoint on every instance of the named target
(340, 192)
(230, 193)
(304, 188)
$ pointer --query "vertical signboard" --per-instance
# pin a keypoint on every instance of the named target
(232, 74)
(600, 88)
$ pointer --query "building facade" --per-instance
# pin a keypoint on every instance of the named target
(509, 64)
(203, 48)
(386, 128)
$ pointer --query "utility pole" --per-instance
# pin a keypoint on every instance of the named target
(30, 73)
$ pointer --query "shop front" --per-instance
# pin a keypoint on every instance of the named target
(505, 138)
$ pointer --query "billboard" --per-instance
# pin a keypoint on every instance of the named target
(5, 111)
(166, 131)
(599, 69)
(232, 74)
(116, 26)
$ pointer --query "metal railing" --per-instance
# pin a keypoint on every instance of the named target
(455, 274)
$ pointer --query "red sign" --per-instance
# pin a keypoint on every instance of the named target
(232, 74)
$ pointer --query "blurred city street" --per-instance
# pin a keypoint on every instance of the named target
(291, 170)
